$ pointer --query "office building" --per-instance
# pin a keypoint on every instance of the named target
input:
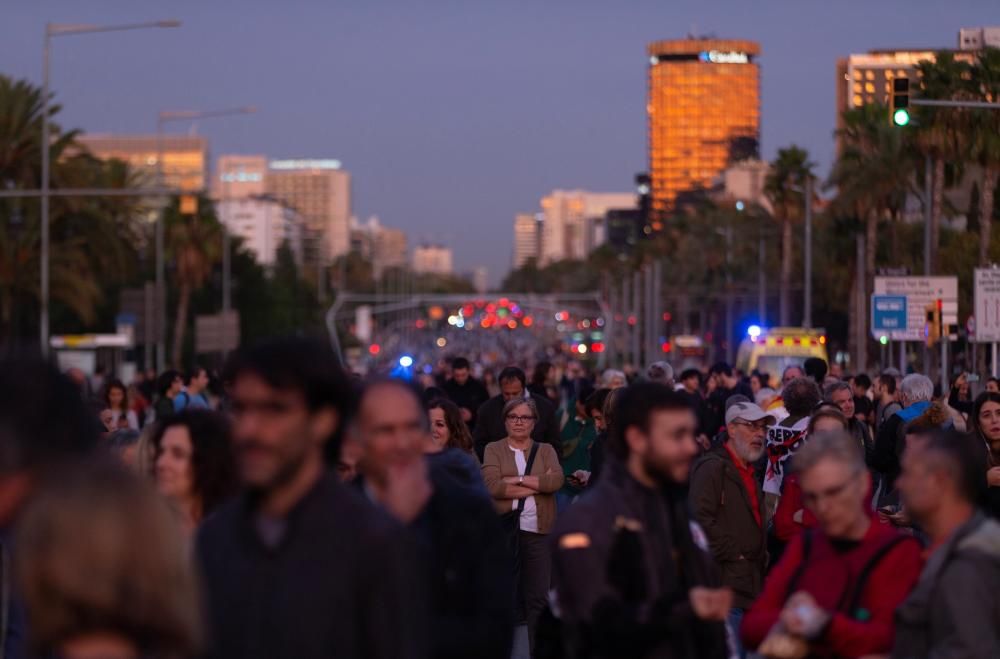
(432, 260)
(385, 247)
(265, 224)
(527, 238)
(703, 114)
(239, 177)
(744, 182)
(185, 157)
(977, 38)
(573, 222)
(320, 190)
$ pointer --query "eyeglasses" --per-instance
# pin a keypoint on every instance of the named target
(513, 418)
(761, 427)
(812, 499)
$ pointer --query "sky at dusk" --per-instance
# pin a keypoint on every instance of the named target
(451, 115)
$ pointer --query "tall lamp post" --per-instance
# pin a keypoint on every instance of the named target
(63, 30)
(162, 119)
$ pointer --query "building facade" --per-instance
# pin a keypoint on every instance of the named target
(977, 38)
(573, 222)
(433, 260)
(703, 114)
(265, 224)
(527, 238)
(385, 247)
(239, 177)
(320, 190)
(185, 157)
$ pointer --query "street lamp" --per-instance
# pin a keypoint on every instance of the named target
(63, 30)
(163, 118)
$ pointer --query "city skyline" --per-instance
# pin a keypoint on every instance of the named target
(430, 136)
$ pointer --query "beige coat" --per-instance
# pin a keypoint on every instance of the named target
(498, 462)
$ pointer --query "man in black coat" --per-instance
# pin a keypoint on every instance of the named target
(300, 565)
(469, 566)
(465, 391)
(631, 573)
(490, 425)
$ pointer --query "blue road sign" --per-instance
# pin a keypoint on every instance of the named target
(888, 314)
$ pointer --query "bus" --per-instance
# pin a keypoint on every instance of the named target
(772, 349)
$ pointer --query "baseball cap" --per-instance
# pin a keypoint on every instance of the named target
(748, 412)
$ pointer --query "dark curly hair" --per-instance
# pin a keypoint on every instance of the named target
(212, 461)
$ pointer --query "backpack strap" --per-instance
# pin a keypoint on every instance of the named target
(807, 540)
(853, 609)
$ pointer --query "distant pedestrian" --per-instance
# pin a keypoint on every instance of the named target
(465, 391)
(116, 401)
(193, 395)
(168, 386)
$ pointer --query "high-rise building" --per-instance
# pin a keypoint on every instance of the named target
(704, 114)
(185, 157)
(383, 246)
(527, 238)
(265, 224)
(977, 38)
(573, 222)
(745, 181)
(239, 177)
(433, 260)
(320, 190)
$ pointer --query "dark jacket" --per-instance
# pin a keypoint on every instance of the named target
(954, 611)
(491, 426)
(341, 579)
(471, 608)
(470, 395)
(722, 506)
(624, 560)
(460, 468)
(889, 447)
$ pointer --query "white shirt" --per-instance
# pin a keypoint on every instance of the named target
(529, 516)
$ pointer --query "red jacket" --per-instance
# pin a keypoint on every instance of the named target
(862, 607)
(785, 526)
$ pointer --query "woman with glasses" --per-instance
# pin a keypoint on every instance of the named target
(837, 586)
(523, 476)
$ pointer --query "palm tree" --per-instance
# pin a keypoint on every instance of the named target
(194, 243)
(785, 187)
(986, 140)
(942, 132)
(77, 269)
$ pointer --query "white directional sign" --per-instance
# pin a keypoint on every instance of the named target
(920, 292)
(987, 305)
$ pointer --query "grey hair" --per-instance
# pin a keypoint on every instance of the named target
(916, 388)
(513, 403)
(612, 373)
(834, 387)
(835, 445)
(660, 372)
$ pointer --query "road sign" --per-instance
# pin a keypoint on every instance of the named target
(888, 314)
(987, 305)
(217, 332)
(920, 292)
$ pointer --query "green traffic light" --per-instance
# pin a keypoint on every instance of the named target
(883, 339)
(901, 117)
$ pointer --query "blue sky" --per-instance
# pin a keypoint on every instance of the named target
(452, 115)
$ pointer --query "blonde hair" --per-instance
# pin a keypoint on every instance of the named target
(99, 551)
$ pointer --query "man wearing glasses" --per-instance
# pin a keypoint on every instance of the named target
(728, 503)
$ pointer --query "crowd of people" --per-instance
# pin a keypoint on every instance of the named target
(286, 508)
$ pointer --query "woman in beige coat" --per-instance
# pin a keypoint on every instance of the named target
(515, 487)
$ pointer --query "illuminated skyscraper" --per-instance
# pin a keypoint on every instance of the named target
(185, 157)
(704, 113)
(320, 190)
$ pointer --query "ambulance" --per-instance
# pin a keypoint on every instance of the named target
(772, 349)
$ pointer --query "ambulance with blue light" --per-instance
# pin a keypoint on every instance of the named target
(772, 349)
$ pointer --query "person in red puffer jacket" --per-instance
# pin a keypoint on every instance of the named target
(834, 592)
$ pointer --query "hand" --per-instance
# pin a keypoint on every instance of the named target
(581, 476)
(512, 480)
(466, 414)
(711, 603)
(899, 519)
(704, 442)
(407, 490)
(993, 477)
(797, 517)
(802, 616)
